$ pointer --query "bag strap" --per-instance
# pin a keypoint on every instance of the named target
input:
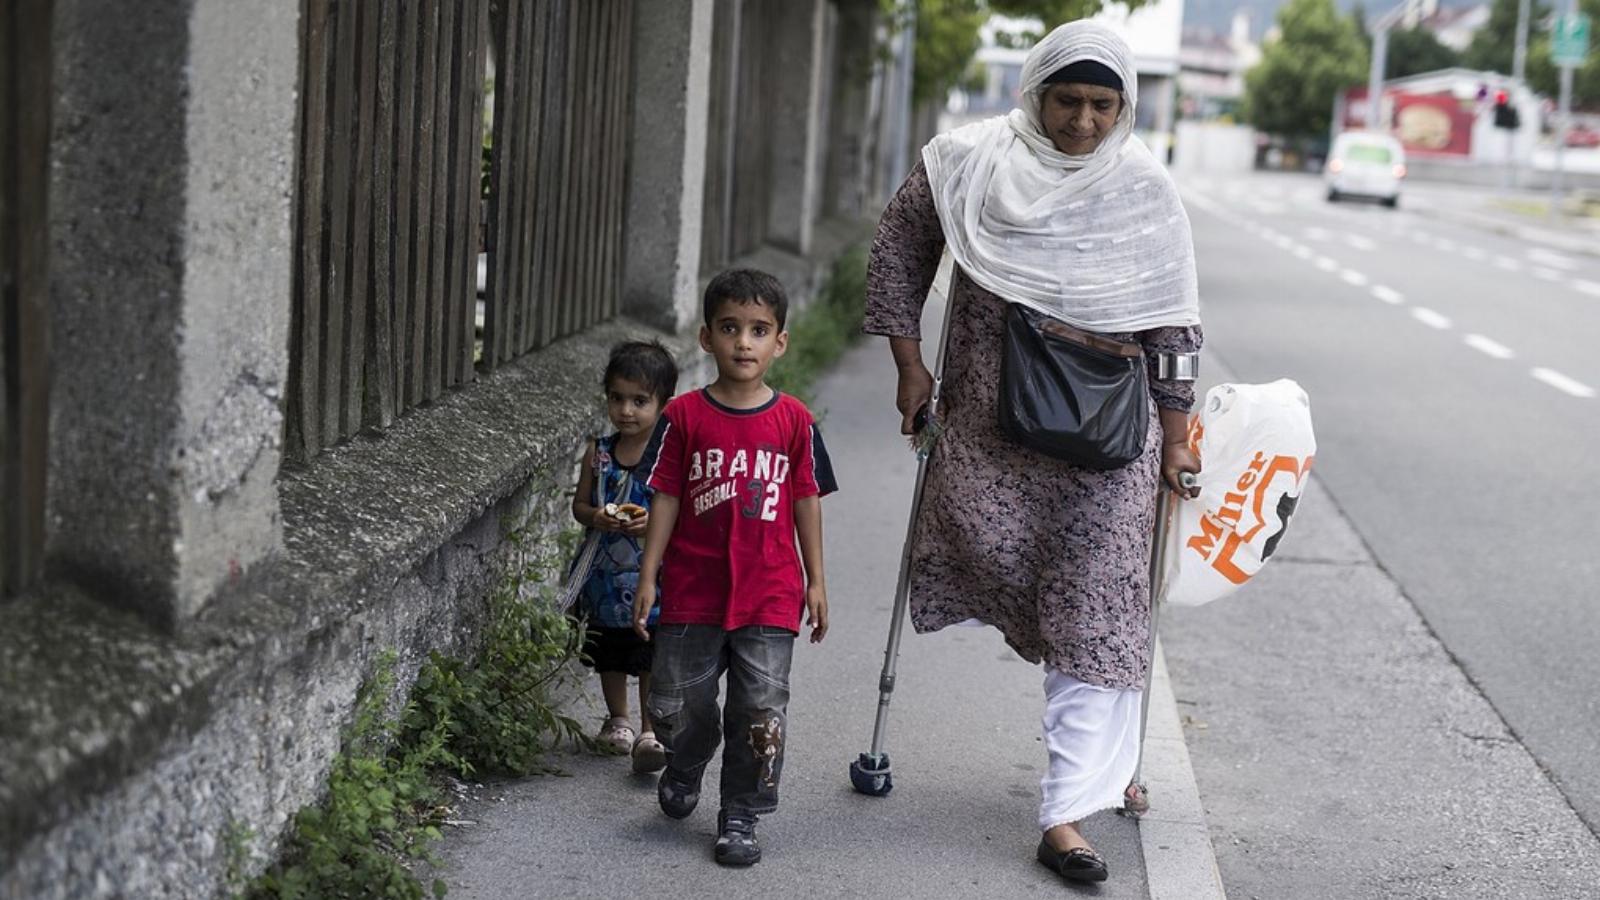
(1062, 331)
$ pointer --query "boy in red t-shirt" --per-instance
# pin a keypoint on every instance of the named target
(738, 471)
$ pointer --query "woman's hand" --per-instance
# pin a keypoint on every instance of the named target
(603, 521)
(635, 526)
(1177, 458)
(914, 392)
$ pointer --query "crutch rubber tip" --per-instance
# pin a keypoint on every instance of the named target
(871, 776)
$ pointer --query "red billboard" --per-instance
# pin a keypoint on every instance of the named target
(1436, 124)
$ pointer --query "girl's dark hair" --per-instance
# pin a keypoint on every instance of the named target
(746, 286)
(646, 362)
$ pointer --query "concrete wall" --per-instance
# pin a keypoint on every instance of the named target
(174, 154)
(666, 177)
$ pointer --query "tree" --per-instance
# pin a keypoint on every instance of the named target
(1545, 77)
(1416, 50)
(1317, 55)
(1494, 44)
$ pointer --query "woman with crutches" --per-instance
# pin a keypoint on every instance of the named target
(1068, 238)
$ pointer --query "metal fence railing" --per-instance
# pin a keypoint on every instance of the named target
(739, 133)
(560, 146)
(392, 211)
(24, 288)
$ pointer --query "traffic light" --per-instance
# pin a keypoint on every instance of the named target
(1505, 115)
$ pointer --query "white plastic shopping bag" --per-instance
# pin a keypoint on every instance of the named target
(1256, 446)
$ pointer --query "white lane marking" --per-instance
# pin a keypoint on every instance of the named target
(1284, 242)
(1592, 288)
(1351, 276)
(1326, 264)
(1562, 383)
(1316, 233)
(1546, 274)
(1388, 294)
(1359, 242)
(1486, 346)
(1430, 318)
(1507, 263)
(1445, 244)
(1551, 258)
(1473, 253)
(1303, 252)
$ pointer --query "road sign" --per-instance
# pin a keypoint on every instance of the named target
(1569, 40)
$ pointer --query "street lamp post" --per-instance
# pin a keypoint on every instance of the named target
(1380, 59)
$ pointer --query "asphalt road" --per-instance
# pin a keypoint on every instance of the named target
(1452, 374)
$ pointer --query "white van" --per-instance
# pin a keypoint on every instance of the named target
(1365, 164)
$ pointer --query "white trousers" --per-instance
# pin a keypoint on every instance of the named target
(1092, 734)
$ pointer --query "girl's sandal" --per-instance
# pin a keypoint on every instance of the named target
(648, 754)
(616, 735)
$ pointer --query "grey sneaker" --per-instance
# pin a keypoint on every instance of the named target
(736, 840)
(677, 798)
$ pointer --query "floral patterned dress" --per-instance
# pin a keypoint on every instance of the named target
(1055, 556)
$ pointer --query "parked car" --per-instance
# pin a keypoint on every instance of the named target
(1583, 136)
(1365, 164)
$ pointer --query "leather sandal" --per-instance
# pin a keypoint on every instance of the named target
(1079, 864)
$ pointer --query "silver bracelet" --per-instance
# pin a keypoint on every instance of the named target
(1177, 366)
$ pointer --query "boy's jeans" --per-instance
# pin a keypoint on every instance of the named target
(689, 662)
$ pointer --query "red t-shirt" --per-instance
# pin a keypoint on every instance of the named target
(737, 473)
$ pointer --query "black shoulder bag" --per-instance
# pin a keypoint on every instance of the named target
(1070, 394)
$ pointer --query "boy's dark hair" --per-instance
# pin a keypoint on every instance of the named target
(646, 362)
(746, 286)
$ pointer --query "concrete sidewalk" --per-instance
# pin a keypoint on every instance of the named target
(964, 738)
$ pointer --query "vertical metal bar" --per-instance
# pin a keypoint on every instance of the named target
(551, 211)
(593, 158)
(306, 344)
(433, 358)
(407, 57)
(336, 240)
(502, 215)
(569, 198)
(451, 301)
(378, 378)
(619, 142)
(365, 41)
(422, 220)
(730, 137)
(531, 194)
(472, 181)
(24, 288)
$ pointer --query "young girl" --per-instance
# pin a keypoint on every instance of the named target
(613, 505)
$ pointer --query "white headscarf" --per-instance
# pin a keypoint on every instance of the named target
(1100, 240)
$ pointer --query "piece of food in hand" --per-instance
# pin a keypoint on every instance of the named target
(627, 512)
(611, 510)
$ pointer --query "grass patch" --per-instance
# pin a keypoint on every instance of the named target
(824, 330)
(496, 712)
(1581, 207)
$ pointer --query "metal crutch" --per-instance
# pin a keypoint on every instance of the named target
(870, 773)
(1137, 804)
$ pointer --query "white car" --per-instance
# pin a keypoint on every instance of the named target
(1365, 164)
